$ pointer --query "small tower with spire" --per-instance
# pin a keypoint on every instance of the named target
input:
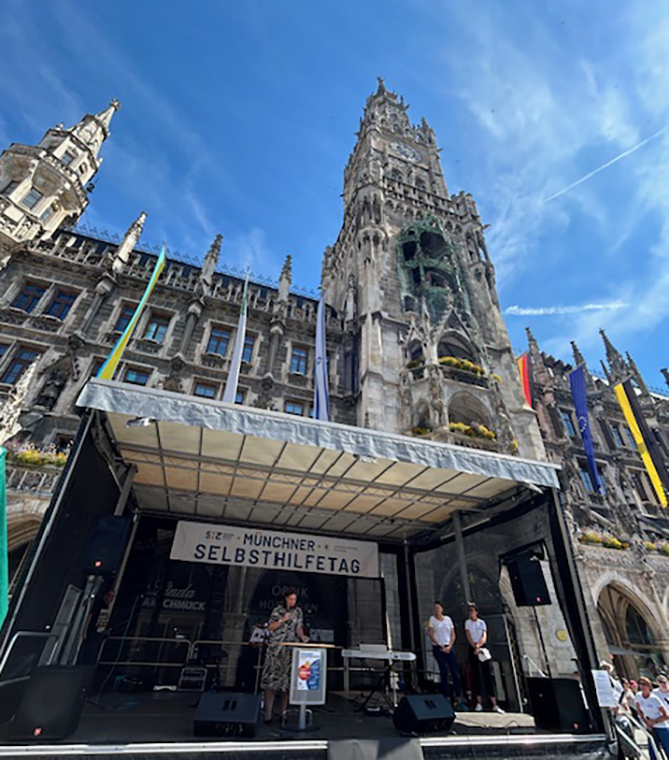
(45, 185)
(206, 281)
(618, 370)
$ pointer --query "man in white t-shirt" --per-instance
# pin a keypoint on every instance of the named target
(662, 691)
(653, 712)
(477, 637)
(442, 635)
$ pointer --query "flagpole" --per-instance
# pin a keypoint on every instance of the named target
(321, 394)
(4, 555)
(230, 392)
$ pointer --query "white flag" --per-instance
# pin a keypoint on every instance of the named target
(230, 392)
(321, 395)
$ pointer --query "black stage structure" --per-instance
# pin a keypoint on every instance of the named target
(146, 461)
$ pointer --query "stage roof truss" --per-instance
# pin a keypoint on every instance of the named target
(207, 460)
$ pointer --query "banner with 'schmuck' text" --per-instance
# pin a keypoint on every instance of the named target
(252, 547)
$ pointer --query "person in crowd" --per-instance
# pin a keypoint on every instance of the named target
(662, 690)
(477, 638)
(285, 626)
(653, 713)
(442, 635)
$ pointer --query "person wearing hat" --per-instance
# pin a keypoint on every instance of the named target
(479, 664)
(653, 713)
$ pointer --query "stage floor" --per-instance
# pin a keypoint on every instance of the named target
(169, 717)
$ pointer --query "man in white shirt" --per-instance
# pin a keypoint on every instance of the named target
(653, 712)
(442, 635)
(662, 691)
(477, 637)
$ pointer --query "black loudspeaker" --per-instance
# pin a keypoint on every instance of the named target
(105, 545)
(557, 705)
(422, 713)
(52, 703)
(528, 582)
(227, 715)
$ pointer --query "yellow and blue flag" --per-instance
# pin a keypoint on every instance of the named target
(109, 367)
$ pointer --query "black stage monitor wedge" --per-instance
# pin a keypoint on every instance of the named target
(105, 545)
(52, 703)
(422, 713)
(528, 582)
(557, 705)
(227, 715)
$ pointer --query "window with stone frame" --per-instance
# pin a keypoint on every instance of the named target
(32, 198)
(95, 366)
(240, 396)
(124, 317)
(30, 295)
(156, 327)
(219, 340)
(294, 407)
(23, 357)
(61, 304)
(586, 479)
(3, 350)
(568, 423)
(640, 486)
(67, 158)
(205, 390)
(298, 360)
(631, 443)
(9, 188)
(46, 214)
(249, 345)
(136, 376)
(615, 432)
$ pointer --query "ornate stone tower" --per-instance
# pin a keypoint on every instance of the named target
(44, 186)
(427, 348)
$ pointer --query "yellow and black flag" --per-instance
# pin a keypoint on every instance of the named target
(652, 457)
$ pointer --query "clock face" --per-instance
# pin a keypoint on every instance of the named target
(406, 151)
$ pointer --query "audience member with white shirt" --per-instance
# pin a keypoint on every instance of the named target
(654, 713)
(477, 637)
(442, 635)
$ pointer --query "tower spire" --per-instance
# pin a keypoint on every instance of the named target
(285, 278)
(209, 265)
(614, 358)
(130, 240)
(578, 356)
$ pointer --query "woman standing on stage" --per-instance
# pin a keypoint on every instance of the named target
(285, 626)
(477, 637)
(442, 634)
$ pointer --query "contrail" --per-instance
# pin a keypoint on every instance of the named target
(528, 311)
(604, 166)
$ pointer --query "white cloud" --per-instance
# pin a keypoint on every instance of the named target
(550, 311)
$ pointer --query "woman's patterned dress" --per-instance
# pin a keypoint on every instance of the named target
(276, 672)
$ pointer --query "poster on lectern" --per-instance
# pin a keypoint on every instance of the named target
(308, 676)
(253, 547)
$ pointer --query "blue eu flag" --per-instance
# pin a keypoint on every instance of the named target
(577, 382)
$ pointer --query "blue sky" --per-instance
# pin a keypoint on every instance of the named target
(239, 118)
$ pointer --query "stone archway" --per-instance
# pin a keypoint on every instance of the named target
(632, 629)
(22, 528)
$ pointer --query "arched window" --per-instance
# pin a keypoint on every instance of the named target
(457, 346)
(467, 409)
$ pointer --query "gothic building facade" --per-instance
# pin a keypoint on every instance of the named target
(416, 341)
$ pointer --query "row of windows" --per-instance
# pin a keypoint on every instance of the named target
(568, 422)
(31, 294)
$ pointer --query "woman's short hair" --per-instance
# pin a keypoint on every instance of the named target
(472, 606)
(643, 681)
(436, 601)
(289, 592)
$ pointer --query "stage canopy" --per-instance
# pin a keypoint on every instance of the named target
(202, 459)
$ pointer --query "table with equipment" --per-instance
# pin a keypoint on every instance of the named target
(367, 654)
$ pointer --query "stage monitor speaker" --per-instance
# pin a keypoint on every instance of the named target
(528, 582)
(52, 703)
(105, 545)
(557, 705)
(422, 713)
(227, 715)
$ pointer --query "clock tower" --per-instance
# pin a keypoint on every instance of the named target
(427, 351)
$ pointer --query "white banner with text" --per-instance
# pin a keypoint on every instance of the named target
(252, 547)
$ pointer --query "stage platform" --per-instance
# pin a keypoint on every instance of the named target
(161, 726)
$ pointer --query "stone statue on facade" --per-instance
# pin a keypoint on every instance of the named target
(437, 403)
(52, 388)
(350, 304)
